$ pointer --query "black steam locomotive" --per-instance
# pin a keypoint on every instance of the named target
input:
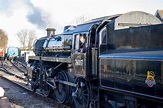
(122, 65)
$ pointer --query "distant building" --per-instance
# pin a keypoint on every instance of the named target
(159, 14)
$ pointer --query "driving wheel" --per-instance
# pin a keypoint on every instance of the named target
(46, 90)
(82, 93)
(62, 91)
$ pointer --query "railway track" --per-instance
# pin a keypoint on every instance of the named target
(14, 72)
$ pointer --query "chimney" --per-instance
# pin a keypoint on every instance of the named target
(50, 31)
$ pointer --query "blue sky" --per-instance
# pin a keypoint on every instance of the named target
(37, 15)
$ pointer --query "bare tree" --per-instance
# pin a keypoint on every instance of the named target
(3, 40)
(81, 19)
(31, 38)
(26, 37)
(22, 35)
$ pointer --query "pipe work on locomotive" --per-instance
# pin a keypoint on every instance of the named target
(122, 66)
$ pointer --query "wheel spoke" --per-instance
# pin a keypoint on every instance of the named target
(86, 99)
(84, 94)
(85, 90)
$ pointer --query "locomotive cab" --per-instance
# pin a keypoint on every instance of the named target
(78, 58)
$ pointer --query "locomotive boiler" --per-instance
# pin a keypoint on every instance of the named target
(122, 65)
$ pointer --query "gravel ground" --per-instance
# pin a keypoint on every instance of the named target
(21, 98)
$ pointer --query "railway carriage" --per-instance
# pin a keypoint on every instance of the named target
(122, 65)
(1, 54)
(12, 53)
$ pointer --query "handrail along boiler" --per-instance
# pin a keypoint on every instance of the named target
(122, 65)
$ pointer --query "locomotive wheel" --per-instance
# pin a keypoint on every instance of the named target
(34, 81)
(82, 93)
(46, 90)
(62, 91)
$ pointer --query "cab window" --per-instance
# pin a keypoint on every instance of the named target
(76, 42)
(103, 37)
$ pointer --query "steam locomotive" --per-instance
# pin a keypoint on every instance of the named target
(121, 68)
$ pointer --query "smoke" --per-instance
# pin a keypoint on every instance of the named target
(42, 17)
(33, 14)
(36, 18)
